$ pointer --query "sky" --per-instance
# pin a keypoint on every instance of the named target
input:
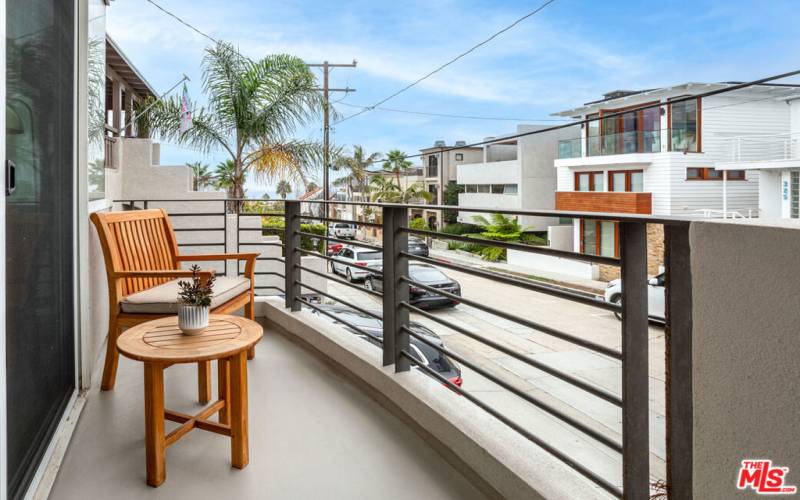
(572, 52)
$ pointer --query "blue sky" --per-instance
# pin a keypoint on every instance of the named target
(570, 53)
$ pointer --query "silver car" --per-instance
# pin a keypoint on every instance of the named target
(655, 296)
(362, 259)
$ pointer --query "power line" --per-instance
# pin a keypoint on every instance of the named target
(165, 11)
(686, 98)
(446, 115)
(451, 61)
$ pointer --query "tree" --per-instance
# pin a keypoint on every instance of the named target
(224, 177)
(386, 191)
(201, 175)
(283, 188)
(356, 166)
(253, 109)
(450, 197)
(396, 162)
(311, 186)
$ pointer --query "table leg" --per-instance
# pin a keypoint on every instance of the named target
(238, 410)
(204, 382)
(155, 447)
(223, 381)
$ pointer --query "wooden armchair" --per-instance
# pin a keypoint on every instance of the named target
(143, 267)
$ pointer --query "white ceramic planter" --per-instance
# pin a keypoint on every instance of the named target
(192, 320)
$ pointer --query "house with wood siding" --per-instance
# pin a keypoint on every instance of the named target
(654, 152)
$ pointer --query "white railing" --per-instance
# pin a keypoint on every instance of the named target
(711, 213)
(751, 148)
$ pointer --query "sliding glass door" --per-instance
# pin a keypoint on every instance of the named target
(40, 366)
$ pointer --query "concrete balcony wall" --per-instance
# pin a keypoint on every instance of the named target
(745, 350)
(488, 200)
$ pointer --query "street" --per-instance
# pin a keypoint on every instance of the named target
(585, 321)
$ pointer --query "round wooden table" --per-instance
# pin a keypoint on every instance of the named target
(159, 344)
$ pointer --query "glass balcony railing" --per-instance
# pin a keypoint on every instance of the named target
(636, 141)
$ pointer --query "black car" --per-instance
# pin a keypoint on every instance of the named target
(417, 246)
(420, 351)
(427, 275)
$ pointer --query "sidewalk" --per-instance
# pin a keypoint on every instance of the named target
(465, 258)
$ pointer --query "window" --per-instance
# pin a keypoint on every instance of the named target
(459, 156)
(795, 195)
(433, 167)
(589, 181)
(498, 188)
(510, 189)
(593, 135)
(626, 181)
(433, 161)
(470, 188)
(599, 238)
(712, 174)
(483, 188)
(622, 132)
(684, 126)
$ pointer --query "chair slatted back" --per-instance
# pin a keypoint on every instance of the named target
(136, 240)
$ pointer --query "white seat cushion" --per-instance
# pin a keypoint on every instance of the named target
(163, 299)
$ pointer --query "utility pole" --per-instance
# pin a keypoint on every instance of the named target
(326, 90)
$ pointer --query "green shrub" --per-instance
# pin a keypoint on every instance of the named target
(533, 239)
(275, 225)
(461, 228)
(493, 254)
(418, 223)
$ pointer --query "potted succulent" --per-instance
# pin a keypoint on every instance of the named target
(194, 298)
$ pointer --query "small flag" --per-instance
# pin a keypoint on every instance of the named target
(186, 113)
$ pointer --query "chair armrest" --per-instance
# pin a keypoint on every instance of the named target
(249, 257)
(165, 273)
(219, 256)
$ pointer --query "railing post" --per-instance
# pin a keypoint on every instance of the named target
(291, 241)
(395, 290)
(678, 336)
(635, 377)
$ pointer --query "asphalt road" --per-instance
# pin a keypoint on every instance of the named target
(581, 320)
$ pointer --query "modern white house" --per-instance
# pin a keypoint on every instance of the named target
(515, 172)
(776, 158)
(664, 159)
(439, 166)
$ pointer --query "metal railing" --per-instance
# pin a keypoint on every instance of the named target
(634, 141)
(762, 147)
(633, 401)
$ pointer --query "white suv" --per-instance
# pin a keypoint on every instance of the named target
(342, 230)
(362, 259)
(655, 296)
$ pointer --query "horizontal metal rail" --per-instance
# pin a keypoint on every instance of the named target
(266, 273)
(329, 219)
(520, 393)
(355, 243)
(340, 320)
(261, 287)
(593, 390)
(599, 259)
(339, 300)
(259, 214)
(600, 481)
(519, 282)
(197, 229)
(220, 244)
(341, 281)
(279, 259)
(340, 261)
(198, 214)
(522, 321)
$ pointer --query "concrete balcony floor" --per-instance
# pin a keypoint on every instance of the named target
(313, 434)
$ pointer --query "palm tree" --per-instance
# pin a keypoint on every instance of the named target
(383, 189)
(311, 186)
(224, 177)
(253, 109)
(396, 162)
(284, 187)
(356, 166)
(201, 175)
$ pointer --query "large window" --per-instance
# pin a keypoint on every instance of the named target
(433, 167)
(589, 181)
(684, 126)
(599, 238)
(621, 132)
(491, 188)
(631, 181)
(712, 174)
(795, 195)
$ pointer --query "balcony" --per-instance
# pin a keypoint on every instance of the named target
(761, 151)
(637, 141)
(601, 201)
(545, 399)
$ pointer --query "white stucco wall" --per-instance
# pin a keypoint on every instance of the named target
(746, 311)
(769, 194)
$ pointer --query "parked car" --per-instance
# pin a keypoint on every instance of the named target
(362, 258)
(334, 248)
(427, 275)
(417, 246)
(420, 351)
(655, 296)
(342, 230)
